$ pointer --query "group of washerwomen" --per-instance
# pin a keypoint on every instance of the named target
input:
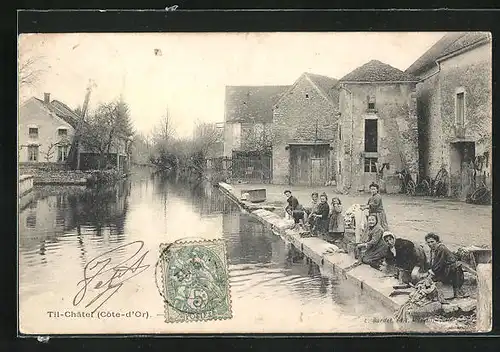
(378, 244)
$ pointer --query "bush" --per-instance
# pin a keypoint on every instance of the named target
(97, 177)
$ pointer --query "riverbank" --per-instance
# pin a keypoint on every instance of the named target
(457, 223)
(333, 260)
(55, 175)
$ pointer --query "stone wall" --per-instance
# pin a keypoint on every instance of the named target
(470, 71)
(25, 184)
(395, 111)
(49, 174)
(232, 137)
(429, 123)
(295, 118)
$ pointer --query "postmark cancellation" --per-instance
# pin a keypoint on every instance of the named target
(195, 281)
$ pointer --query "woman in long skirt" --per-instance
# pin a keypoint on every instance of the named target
(321, 216)
(376, 248)
(376, 208)
(336, 224)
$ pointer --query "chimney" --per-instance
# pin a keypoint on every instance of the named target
(46, 98)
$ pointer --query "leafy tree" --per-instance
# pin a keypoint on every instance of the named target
(123, 121)
(101, 131)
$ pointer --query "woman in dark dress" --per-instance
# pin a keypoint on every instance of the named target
(336, 223)
(321, 216)
(376, 248)
(404, 255)
(375, 206)
(444, 266)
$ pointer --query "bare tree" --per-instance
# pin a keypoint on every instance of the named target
(49, 153)
(102, 130)
(258, 137)
(164, 132)
(206, 138)
(30, 67)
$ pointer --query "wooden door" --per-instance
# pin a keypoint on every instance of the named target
(300, 165)
(318, 171)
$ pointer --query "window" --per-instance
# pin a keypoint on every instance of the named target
(371, 135)
(460, 112)
(340, 167)
(62, 153)
(62, 132)
(31, 220)
(370, 164)
(33, 132)
(307, 96)
(32, 153)
(340, 133)
(371, 102)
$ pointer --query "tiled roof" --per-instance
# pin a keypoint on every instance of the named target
(63, 111)
(326, 85)
(447, 45)
(251, 103)
(376, 71)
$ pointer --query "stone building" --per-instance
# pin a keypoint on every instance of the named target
(305, 131)
(248, 137)
(46, 131)
(455, 110)
(377, 127)
(248, 110)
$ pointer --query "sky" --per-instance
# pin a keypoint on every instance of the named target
(190, 75)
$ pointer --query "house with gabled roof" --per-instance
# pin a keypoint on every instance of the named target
(454, 97)
(45, 131)
(377, 127)
(305, 131)
(46, 134)
(248, 119)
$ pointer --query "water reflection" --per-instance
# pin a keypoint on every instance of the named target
(55, 211)
(63, 228)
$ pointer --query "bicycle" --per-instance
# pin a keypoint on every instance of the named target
(481, 195)
(439, 186)
(408, 186)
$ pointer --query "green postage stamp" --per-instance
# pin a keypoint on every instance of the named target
(195, 281)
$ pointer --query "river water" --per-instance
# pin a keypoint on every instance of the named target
(273, 288)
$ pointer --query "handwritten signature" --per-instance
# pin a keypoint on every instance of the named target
(101, 275)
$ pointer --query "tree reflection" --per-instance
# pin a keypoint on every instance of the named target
(101, 208)
(56, 210)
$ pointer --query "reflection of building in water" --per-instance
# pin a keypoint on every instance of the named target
(210, 201)
(55, 211)
(45, 214)
(247, 239)
(101, 209)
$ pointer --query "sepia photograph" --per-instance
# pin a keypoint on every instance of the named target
(254, 182)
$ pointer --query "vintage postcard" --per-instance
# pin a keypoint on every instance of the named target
(333, 182)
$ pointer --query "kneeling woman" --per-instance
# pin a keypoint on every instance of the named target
(376, 248)
(405, 256)
(444, 266)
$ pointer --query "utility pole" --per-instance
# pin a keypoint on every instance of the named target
(91, 85)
